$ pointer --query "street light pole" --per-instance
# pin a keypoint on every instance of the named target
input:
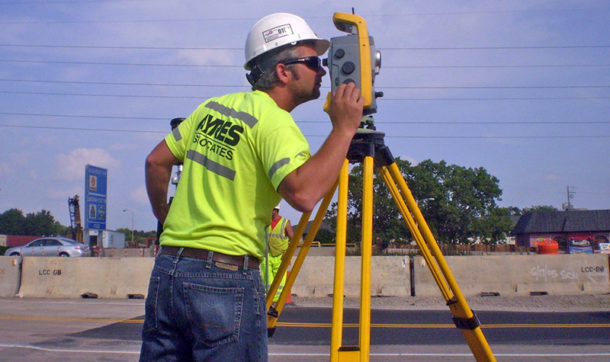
(132, 226)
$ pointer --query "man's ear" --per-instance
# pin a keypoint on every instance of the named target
(283, 73)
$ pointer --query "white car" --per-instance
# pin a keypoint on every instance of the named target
(51, 246)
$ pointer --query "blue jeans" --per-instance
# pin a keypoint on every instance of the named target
(197, 311)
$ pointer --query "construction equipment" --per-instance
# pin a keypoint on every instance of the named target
(75, 221)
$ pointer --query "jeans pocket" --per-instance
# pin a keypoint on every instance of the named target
(214, 313)
(150, 306)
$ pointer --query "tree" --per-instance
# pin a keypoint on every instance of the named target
(458, 203)
(388, 224)
(460, 199)
(12, 222)
(538, 208)
(40, 223)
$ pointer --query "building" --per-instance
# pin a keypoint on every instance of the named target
(570, 226)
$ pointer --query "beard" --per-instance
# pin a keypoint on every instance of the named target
(304, 94)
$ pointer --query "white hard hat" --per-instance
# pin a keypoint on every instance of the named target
(277, 207)
(279, 29)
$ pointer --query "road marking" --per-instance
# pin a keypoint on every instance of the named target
(326, 325)
(305, 354)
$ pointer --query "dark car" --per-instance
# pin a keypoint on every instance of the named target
(50, 246)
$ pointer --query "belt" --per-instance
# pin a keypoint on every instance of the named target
(235, 260)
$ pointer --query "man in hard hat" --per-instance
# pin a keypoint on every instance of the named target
(278, 233)
(241, 153)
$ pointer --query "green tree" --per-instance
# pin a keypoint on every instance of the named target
(459, 199)
(538, 208)
(40, 223)
(12, 222)
(388, 224)
(458, 203)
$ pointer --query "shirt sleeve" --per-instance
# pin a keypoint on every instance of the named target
(180, 137)
(284, 147)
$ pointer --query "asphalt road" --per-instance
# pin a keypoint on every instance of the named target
(109, 330)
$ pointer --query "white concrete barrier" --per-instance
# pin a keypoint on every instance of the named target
(10, 275)
(520, 274)
(85, 277)
(390, 276)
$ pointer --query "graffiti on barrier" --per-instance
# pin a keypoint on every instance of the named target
(545, 273)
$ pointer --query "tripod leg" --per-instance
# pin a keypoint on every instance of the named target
(298, 263)
(419, 239)
(337, 319)
(292, 246)
(366, 247)
(361, 352)
(463, 317)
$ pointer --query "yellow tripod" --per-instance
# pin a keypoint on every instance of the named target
(368, 148)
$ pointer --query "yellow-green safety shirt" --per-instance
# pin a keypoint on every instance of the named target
(277, 239)
(236, 149)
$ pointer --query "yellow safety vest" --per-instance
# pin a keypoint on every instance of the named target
(278, 241)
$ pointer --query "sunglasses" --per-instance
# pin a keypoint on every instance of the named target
(313, 62)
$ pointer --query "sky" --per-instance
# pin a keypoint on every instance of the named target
(520, 88)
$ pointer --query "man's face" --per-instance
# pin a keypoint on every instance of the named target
(306, 81)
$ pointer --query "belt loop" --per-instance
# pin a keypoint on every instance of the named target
(245, 263)
(208, 265)
(178, 255)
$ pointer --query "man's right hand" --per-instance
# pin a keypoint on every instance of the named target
(346, 108)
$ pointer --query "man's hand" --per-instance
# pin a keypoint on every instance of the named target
(345, 110)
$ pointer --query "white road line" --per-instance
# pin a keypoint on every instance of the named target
(305, 354)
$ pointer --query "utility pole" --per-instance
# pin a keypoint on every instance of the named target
(570, 195)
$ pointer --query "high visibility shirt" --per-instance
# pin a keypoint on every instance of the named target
(236, 149)
(277, 239)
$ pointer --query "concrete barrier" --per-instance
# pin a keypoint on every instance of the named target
(389, 276)
(507, 275)
(85, 277)
(10, 275)
(520, 274)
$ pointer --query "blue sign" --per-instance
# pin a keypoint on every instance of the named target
(95, 197)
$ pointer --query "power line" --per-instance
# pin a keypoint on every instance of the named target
(116, 47)
(316, 135)
(308, 16)
(384, 98)
(96, 116)
(93, 116)
(156, 47)
(477, 66)
(103, 95)
(589, 86)
(131, 83)
(118, 63)
(81, 129)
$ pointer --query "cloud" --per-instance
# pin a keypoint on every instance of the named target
(551, 177)
(71, 166)
(140, 195)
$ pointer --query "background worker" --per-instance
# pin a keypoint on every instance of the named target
(241, 153)
(278, 233)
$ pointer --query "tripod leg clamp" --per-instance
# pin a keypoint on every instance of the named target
(467, 323)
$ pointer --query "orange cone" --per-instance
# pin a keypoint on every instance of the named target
(289, 299)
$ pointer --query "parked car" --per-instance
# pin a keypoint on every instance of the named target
(51, 246)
